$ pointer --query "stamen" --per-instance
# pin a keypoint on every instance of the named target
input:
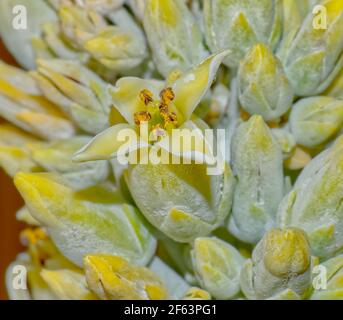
(31, 236)
(167, 95)
(146, 96)
(141, 116)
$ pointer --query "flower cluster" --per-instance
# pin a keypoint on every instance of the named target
(93, 70)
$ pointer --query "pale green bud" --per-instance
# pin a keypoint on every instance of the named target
(88, 221)
(121, 47)
(280, 261)
(263, 86)
(173, 35)
(315, 120)
(257, 163)
(77, 90)
(52, 44)
(22, 104)
(79, 24)
(181, 200)
(314, 56)
(217, 266)
(239, 24)
(315, 202)
(294, 13)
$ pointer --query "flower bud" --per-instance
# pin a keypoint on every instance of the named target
(173, 35)
(257, 163)
(315, 120)
(22, 104)
(280, 261)
(87, 221)
(314, 56)
(119, 47)
(239, 24)
(217, 266)
(263, 86)
(181, 200)
(79, 91)
(315, 202)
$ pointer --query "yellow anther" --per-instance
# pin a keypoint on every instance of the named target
(31, 236)
(141, 116)
(167, 96)
(146, 96)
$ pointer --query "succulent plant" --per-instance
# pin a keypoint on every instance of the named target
(173, 149)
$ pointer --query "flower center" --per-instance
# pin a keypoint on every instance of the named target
(160, 114)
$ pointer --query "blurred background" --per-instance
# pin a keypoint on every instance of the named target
(10, 202)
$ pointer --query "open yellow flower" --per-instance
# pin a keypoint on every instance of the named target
(160, 107)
